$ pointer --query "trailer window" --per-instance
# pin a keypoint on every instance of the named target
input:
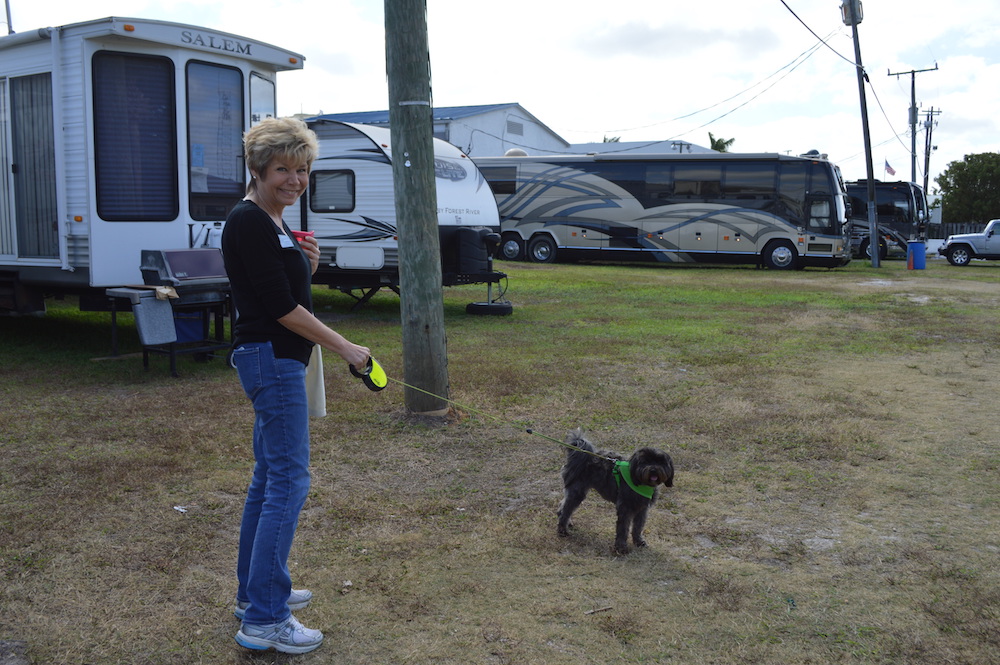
(262, 101)
(135, 139)
(331, 191)
(215, 139)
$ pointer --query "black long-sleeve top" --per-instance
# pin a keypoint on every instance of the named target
(270, 276)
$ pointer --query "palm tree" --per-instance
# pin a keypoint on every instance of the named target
(720, 145)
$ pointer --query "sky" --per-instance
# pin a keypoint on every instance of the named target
(775, 76)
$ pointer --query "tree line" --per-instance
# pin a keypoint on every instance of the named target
(970, 189)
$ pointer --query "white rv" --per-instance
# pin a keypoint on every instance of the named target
(350, 205)
(120, 135)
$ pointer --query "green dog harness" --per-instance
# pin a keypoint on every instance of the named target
(621, 470)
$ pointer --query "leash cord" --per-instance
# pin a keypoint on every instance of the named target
(528, 430)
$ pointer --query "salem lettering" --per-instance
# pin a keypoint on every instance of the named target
(215, 42)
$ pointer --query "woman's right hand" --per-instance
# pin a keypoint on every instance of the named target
(356, 355)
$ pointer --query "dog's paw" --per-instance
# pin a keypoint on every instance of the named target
(640, 542)
(621, 549)
(562, 531)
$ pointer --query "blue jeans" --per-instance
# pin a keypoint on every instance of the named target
(280, 483)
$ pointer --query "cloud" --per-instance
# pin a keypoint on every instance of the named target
(668, 42)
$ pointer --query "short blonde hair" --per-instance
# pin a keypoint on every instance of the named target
(277, 137)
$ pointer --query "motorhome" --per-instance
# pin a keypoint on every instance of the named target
(901, 215)
(120, 135)
(779, 211)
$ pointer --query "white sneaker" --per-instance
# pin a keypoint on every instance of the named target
(298, 600)
(289, 636)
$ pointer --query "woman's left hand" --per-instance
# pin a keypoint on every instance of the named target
(311, 247)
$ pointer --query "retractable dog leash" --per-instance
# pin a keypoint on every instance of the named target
(372, 374)
(375, 378)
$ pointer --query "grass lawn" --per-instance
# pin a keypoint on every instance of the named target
(833, 433)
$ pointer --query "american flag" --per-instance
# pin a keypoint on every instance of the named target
(889, 169)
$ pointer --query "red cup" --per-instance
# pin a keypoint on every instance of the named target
(299, 235)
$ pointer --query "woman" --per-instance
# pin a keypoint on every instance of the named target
(270, 276)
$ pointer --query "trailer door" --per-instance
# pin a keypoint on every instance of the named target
(33, 167)
(7, 248)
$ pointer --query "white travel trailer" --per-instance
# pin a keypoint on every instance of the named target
(120, 135)
(350, 205)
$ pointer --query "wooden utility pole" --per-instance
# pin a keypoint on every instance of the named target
(928, 147)
(913, 115)
(851, 14)
(421, 304)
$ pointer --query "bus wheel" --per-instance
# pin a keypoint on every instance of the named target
(542, 249)
(959, 255)
(866, 248)
(780, 255)
(512, 247)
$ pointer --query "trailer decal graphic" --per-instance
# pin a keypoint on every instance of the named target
(374, 230)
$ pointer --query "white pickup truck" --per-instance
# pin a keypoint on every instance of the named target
(960, 249)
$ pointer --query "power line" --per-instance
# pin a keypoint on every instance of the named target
(884, 114)
(798, 60)
(793, 65)
(733, 110)
(865, 76)
(839, 55)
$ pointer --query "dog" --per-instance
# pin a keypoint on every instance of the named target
(587, 468)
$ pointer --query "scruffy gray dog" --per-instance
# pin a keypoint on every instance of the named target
(631, 484)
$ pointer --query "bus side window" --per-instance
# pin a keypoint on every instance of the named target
(698, 181)
(819, 215)
(752, 181)
(792, 192)
(630, 176)
(659, 184)
(502, 179)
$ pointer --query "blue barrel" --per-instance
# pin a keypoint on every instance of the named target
(916, 255)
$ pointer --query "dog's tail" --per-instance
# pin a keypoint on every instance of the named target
(575, 439)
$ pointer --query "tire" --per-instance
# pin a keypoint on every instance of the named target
(489, 308)
(542, 249)
(866, 250)
(512, 247)
(959, 255)
(780, 255)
